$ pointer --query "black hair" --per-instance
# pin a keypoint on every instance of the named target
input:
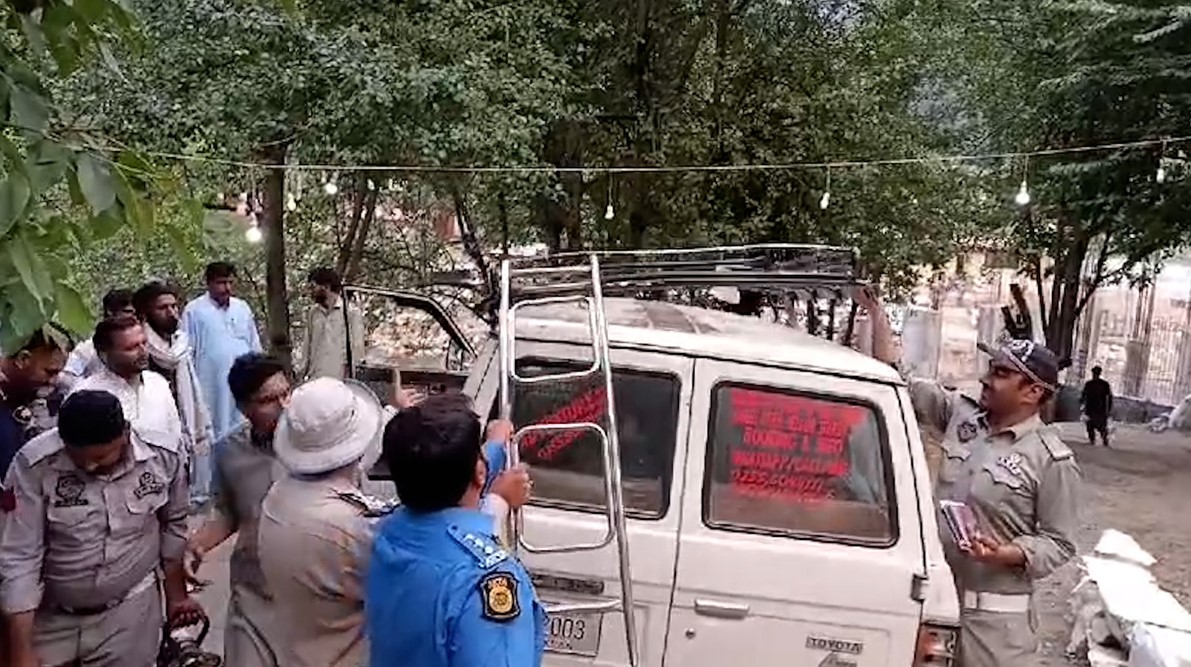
(250, 372)
(57, 338)
(1096, 370)
(326, 277)
(146, 297)
(219, 270)
(116, 300)
(106, 330)
(431, 451)
(89, 417)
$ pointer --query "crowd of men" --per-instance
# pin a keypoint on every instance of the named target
(128, 458)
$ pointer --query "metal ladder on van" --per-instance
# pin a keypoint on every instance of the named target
(609, 440)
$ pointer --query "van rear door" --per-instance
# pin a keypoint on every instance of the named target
(653, 395)
(800, 539)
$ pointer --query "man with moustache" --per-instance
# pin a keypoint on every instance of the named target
(246, 468)
(145, 396)
(94, 512)
(222, 329)
(171, 356)
(1020, 481)
(23, 375)
(83, 360)
(330, 324)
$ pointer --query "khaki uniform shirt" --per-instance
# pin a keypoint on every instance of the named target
(1021, 482)
(245, 468)
(324, 349)
(75, 540)
(314, 547)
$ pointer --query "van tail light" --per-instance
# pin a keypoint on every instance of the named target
(937, 646)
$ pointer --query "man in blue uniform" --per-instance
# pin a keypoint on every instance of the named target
(441, 590)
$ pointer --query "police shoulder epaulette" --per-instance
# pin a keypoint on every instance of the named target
(1054, 444)
(368, 506)
(486, 550)
(967, 401)
(41, 447)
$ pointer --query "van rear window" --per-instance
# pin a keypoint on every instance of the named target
(568, 466)
(791, 463)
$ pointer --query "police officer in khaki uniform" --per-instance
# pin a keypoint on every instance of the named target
(1020, 481)
(97, 511)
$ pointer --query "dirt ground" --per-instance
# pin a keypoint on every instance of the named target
(1141, 486)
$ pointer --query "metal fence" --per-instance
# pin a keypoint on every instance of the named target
(1153, 365)
(1139, 368)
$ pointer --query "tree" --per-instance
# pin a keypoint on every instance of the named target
(1061, 75)
(60, 186)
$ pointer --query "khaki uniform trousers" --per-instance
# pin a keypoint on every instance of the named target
(998, 639)
(247, 640)
(127, 635)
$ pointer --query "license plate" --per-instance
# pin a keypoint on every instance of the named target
(576, 633)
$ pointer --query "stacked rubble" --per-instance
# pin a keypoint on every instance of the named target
(1121, 617)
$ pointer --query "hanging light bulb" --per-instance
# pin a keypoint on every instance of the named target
(291, 204)
(253, 233)
(1023, 194)
(609, 212)
(330, 188)
(371, 185)
(825, 200)
(1161, 175)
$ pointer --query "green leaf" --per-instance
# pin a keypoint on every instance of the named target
(136, 209)
(95, 180)
(186, 255)
(105, 225)
(10, 151)
(14, 199)
(73, 312)
(48, 162)
(26, 315)
(33, 33)
(29, 110)
(26, 261)
(91, 10)
(140, 173)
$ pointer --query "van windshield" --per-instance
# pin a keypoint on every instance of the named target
(781, 461)
(568, 466)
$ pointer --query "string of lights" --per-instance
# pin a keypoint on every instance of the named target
(640, 169)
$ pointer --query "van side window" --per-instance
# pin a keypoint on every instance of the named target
(568, 466)
(810, 466)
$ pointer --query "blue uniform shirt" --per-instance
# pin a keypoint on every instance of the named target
(497, 459)
(13, 435)
(441, 592)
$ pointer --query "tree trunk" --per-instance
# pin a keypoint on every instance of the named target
(1066, 304)
(276, 295)
(347, 241)
(467, 232)
(359, 236)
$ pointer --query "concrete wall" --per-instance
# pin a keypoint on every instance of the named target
(922, 337)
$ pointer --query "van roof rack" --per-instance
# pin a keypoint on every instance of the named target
(783, 273)
(781, 268)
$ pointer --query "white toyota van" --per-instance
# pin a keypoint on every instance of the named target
(777, 503)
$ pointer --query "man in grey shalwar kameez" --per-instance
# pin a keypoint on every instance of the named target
(246, 467)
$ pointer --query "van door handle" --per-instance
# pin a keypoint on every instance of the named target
(719, 609)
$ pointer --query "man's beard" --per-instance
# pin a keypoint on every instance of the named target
(165, 328)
